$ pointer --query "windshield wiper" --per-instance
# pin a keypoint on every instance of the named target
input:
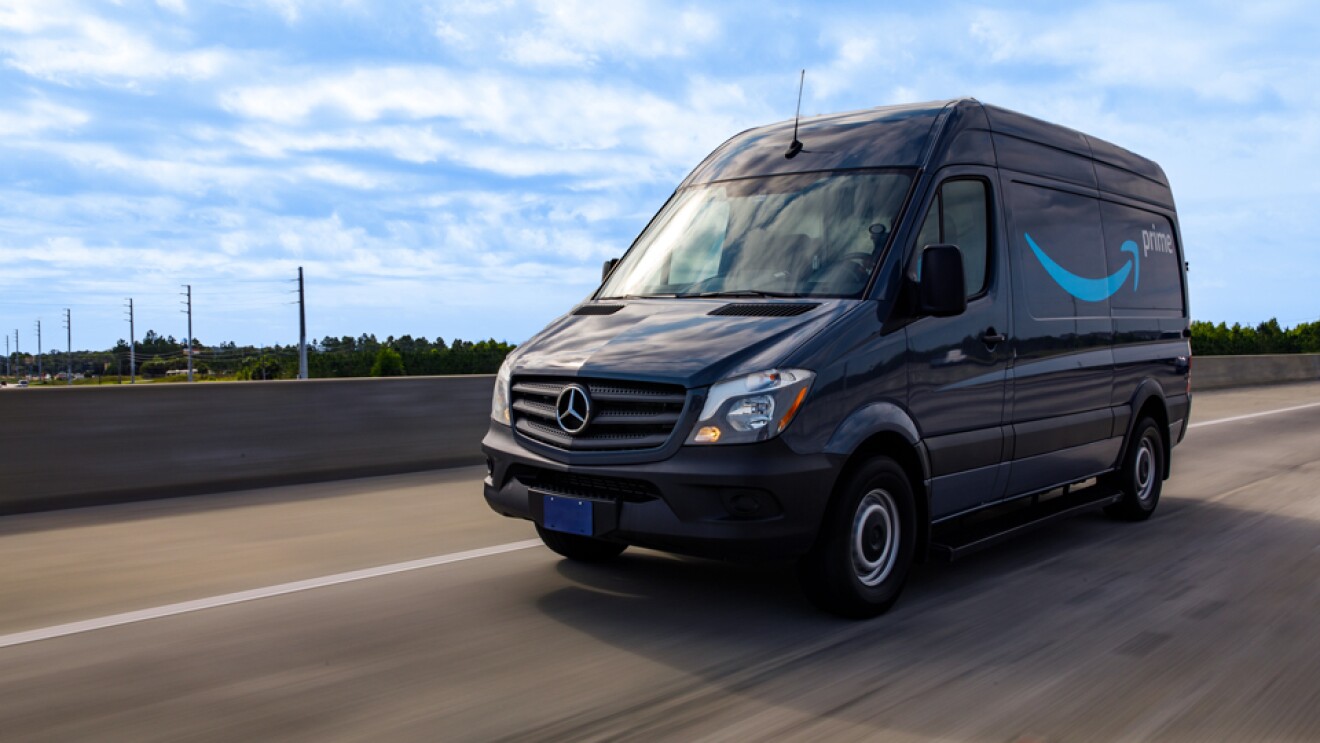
(643, 296)
(743, 293)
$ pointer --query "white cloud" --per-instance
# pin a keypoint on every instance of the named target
(1144, 46)
(174, 6)
(577, 33)
(503, 123)
(91, 48)
(39, 116)
(31, 16)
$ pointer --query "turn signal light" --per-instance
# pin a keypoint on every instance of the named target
(708, 435)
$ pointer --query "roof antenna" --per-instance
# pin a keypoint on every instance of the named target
(796, 146)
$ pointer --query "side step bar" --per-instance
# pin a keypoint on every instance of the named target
(961, 537)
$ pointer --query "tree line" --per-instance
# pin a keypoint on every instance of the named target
(1209, 339)
(158, 355)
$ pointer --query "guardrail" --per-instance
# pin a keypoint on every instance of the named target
(92, 445)
(1218, 372)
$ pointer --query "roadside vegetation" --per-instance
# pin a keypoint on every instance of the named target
(163, 359)
(1209, 339)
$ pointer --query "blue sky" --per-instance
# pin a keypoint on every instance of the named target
(461, 169)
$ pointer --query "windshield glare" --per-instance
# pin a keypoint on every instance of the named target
(810, 234)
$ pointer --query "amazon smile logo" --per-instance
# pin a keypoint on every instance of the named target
(1088, 289)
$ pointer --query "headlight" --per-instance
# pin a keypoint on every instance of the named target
(751, 408)
(499, 403)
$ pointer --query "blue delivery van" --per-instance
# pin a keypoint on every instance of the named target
(901, 334)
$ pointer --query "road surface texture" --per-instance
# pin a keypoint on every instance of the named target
(1200, 624)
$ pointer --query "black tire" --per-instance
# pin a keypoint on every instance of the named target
(860, 562)
(1141, 476)
(582, 549)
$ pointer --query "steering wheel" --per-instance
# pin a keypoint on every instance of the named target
(865, 261)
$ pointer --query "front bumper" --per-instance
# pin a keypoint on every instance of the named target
(747, 501)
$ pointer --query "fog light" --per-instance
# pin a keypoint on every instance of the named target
(708, 435)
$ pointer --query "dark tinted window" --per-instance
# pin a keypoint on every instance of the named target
(1058, 247)
(1145, 240)
(958, 217)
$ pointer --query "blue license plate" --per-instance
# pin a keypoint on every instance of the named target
(571, 515)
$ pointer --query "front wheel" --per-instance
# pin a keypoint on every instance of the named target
(1141, 476)
(861, 560)
(575, 547)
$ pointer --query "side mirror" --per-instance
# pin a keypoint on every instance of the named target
(609, 266)
(941, 290)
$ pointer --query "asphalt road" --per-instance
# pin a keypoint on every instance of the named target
(1201, 624)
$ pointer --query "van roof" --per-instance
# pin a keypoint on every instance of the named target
(934, 134)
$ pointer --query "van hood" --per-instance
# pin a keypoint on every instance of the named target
(676, 341)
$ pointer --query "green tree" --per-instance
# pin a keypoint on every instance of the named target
(264, 366)
(388, 363)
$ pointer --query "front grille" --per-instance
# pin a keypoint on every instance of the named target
(586, 486)
(625, 415)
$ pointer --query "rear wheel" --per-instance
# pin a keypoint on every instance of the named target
(861, 560)
(580, 548)
(1141, 476)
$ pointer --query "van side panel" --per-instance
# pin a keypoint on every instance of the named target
(1064, 367)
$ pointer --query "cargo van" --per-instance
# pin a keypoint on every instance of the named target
(903, 333)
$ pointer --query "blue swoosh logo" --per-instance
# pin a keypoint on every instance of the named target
(1091, 290)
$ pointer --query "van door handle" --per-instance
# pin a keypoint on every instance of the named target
(992, 337)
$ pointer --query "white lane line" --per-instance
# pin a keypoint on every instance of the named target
(1255, 415)
(169, 610)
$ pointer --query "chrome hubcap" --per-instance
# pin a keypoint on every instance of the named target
(875, 534)
(1145, 470)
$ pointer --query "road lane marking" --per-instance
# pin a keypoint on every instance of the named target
(1255, 415)
(184, 607)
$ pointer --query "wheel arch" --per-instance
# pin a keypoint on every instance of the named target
(884, 428)
(1148, 401)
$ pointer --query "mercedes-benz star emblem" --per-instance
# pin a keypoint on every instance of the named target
(573, 409)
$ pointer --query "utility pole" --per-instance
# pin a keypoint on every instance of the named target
(17, 352)
(302, 328)
(9, 371)
(188, 340)
(68, 347)
(40, 374)
(132, 348)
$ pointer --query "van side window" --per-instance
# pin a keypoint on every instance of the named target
(958, 217)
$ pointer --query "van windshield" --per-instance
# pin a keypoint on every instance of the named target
(801, 235)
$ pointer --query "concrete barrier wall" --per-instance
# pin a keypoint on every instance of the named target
(82, 445)
(1218, 372)
(85, 445)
